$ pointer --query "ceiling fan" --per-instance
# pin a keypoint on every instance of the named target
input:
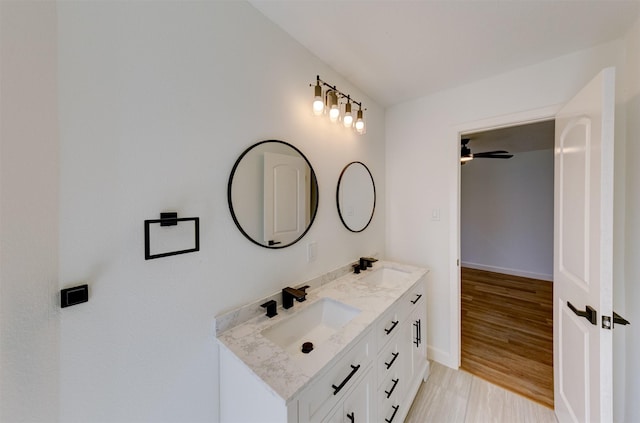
(466, 155)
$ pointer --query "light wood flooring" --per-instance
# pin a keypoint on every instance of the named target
(507, 332)
(455, 396)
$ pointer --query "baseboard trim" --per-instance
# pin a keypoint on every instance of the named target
(507, 271)
(441, 357)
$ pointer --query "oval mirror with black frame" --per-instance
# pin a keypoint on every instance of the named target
(273, 194)
(356, 196)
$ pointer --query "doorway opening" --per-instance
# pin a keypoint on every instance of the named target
(506, 254)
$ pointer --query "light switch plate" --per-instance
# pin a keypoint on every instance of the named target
(73, 296)
(312, 251)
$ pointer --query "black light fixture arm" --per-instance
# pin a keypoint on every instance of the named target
(337, 91)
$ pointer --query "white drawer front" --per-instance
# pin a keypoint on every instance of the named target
(328, 390)
(416, 297)
(388, 325)
(391, 360)
(389, 408)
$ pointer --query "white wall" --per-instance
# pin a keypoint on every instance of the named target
(156, 100)
(29, 317)
(423, 146)
(506, 214)
(632, 276)
(422, 167)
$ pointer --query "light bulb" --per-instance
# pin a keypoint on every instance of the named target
(347, 120)
(360, 123)
(334, 113)
(318, 104)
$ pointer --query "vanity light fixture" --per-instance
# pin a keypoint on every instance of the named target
(328, 102)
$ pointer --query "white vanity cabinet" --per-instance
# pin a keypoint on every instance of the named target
(369, 371)
(347, 385)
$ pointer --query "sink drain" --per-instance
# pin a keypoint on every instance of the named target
(307, 347)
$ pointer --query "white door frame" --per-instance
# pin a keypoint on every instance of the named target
(503, 121)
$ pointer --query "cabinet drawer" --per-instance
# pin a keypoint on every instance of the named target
(391, 359)
(391, 388)
(389, 325)
(328, 390)
(415, 297)
(389, 408)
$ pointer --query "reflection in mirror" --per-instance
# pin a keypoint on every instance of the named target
(356, 196)
(273, 194)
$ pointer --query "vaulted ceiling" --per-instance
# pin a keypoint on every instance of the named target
(397, 50)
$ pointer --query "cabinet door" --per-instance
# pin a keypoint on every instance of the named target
(327, 391)
(418, 323)
(358, 405)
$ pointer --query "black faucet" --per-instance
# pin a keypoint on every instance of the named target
(366, 262)
(288, 294)
(271, 307)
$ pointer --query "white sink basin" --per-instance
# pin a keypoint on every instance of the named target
(385, 277)
(315, 324)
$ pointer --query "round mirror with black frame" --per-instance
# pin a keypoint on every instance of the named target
(273, 194)
(356, 196)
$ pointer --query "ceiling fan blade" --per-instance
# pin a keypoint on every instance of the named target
(484, 153)
(492, 156)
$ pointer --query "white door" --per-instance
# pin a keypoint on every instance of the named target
(583, 253)
(286, 198)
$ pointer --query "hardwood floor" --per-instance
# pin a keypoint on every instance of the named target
(507, 332)
(455, 396)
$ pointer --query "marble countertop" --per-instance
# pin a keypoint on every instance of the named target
(286, 374)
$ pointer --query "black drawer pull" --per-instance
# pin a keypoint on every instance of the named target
(344, 382)
(395, 410)
(416, 340)
(389, 364)
(417, 299)
(393, 326)
(352, 417)
(395, 383)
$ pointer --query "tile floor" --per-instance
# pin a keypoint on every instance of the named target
(457, 396)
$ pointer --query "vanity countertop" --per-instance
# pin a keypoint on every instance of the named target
(286, 374)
